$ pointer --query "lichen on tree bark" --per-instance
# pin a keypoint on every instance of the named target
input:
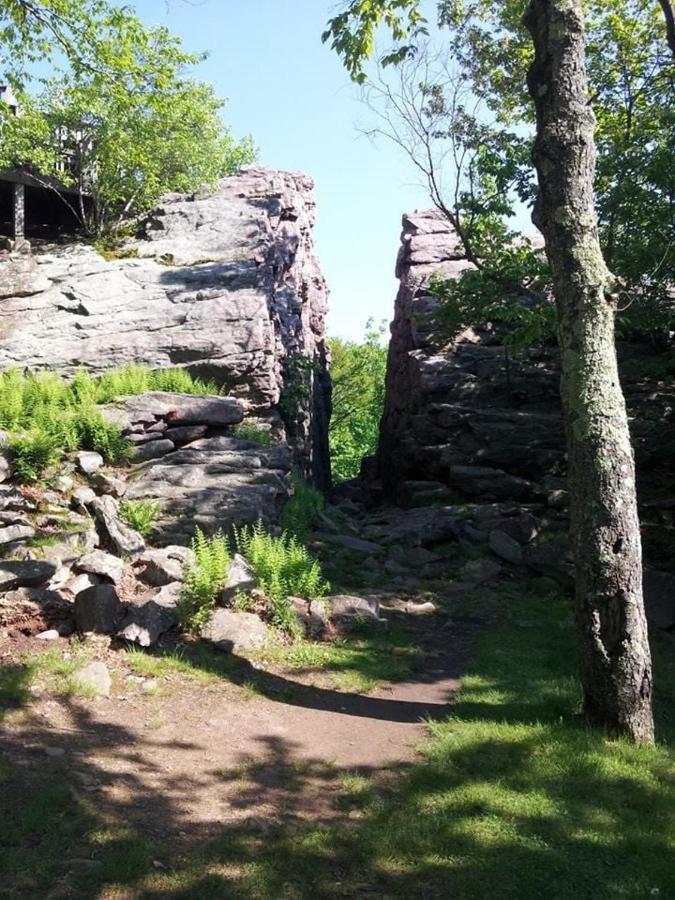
(615, 659)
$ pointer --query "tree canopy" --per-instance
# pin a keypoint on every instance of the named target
(124, 121)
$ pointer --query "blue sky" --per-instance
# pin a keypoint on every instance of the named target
(292, 95)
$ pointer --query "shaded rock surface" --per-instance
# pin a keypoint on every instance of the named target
(235, 632)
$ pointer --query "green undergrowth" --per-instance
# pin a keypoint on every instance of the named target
(47, 416)
(254, 434)
(302, 509)
(140, 514)
(283, 568)
(205, 579)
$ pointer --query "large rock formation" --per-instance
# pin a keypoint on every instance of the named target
(226, 285)
(466, 421)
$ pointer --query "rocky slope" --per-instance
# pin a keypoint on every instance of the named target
(226, 285)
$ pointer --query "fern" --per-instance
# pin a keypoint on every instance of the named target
(283, 568)
(205, 578)
(140, 514)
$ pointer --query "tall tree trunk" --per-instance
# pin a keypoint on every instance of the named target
(616, 668)
(668, 8)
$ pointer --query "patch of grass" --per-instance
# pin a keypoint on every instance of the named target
(301, 510)
(55, 671)
(172, 664)
(205, 578)
(249, 431)
(354, 664)
(140, 514)
(283, 568)
(15, 682)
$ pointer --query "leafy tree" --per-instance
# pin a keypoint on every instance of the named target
(125, 127)
(551, 66)
(357, 372)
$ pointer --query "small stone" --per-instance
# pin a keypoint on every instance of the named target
(55, 751)
(51, 635)
(145, 623)
(109, 484)
(480, 570)
(63, 484)
(164, 566)
(89, 462)
(94, 677)
(83, 497)
(347, 610)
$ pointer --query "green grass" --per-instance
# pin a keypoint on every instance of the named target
(200, 665)
(48, 417)
(55, 671)
(358, 664)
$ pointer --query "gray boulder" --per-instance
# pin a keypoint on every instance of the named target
(311, 616)
(16, 533)
(347, 611)
(89, 461)
(144, 623)
(101, 563)
(240, 580)
(98, 609)
(235, 632)
(160, 567)
(126, 540)
(505, 547)
(154, 449)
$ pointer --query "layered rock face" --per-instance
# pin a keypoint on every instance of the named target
(225, 285)
(466, 422)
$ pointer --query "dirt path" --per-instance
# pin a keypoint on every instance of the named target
(194, 759)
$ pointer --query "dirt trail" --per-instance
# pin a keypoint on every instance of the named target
(183, 764)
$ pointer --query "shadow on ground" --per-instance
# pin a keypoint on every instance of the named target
(516, 799)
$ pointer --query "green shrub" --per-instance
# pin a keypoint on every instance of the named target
(205, 578)
(140, 514)
(32, 452)
(301, 510)
(283, 568)
(247, 431)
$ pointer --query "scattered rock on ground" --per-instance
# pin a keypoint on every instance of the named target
(346, 610)
(235, 632)
(311, 616)
(16, 533)
(94, 677)
(163, 566)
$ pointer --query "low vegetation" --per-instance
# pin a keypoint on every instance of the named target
(47, 416)
(301, 510)
(205, 578)
(283, 568)
(140, 514)
(249, 431)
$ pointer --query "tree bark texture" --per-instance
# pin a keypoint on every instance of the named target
(616, 670)
(668, 7)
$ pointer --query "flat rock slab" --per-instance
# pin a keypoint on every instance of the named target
(101, 563)
(24, 573)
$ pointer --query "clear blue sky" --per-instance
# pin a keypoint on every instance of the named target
(290, 92)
